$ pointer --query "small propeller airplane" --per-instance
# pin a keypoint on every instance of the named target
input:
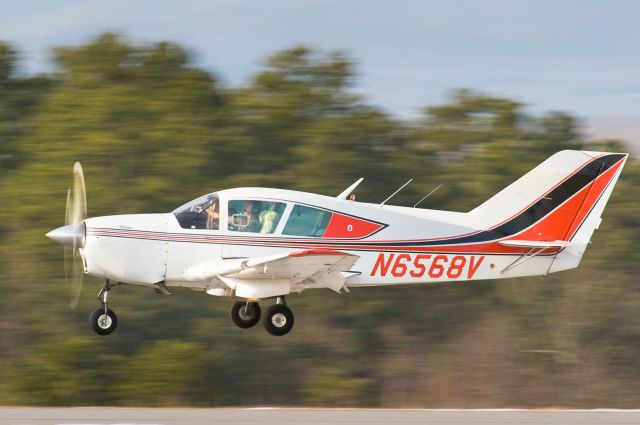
(257, 244)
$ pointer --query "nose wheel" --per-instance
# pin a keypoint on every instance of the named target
(103, 320)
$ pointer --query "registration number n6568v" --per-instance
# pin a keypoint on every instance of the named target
(434, 266)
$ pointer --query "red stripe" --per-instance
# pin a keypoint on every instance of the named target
(485, 248)
(599, 186)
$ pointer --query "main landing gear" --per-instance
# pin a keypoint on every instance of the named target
(245, 314)
(278, 320)
(103, 320)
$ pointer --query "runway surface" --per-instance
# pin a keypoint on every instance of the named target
(268, 416)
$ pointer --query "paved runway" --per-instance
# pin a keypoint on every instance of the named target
(267, 416)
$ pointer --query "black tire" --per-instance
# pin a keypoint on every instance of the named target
(101, 324)
(279, 320)
(243, 319)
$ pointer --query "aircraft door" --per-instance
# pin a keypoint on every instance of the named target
(196, 236)
(251, 225)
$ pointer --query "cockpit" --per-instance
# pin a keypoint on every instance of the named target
(243, 215)
(201, 213)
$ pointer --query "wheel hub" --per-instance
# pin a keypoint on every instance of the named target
(104, 321)
(279, 320)
(245, 313)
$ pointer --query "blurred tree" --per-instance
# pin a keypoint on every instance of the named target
(480, 135)
(7, 62)
(168, 373)
(63, 373)
(19, 97)
(278, 111)
(330, 387)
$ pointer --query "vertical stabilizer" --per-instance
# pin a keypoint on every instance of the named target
(560, 201)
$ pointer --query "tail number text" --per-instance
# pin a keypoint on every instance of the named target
(433, 266)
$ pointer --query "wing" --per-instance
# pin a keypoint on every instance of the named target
(279, 274)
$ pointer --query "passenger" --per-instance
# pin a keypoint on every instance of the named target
(269, 219)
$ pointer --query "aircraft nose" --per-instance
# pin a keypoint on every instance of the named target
(69, 235)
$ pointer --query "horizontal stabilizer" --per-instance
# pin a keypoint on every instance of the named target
(535, 244)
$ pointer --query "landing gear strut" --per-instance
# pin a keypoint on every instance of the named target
(245, 314)
(103, 320)
(279, 318)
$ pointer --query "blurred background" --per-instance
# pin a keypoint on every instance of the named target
(164, 103)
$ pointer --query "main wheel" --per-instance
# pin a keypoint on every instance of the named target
(245, 315)
(279, 320)
(103, 324)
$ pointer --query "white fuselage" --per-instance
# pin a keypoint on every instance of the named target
(151, 248)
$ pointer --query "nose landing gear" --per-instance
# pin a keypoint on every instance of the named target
(103, 320)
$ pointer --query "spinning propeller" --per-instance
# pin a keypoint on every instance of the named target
(72, 234)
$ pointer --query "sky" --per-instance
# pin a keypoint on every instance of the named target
(579, 56)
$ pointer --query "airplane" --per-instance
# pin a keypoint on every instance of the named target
(259, 244)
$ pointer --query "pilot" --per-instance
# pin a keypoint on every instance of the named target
(230, 225)
(208, 215)
(213, 216)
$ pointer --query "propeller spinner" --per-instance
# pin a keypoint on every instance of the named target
(72, 234)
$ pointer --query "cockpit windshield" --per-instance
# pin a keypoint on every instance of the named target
(202, 213)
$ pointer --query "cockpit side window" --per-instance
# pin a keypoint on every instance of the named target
(249, 215)
(203, 213)
(307, 221)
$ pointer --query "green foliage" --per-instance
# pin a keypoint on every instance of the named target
(168, 372)
(152, 132)
(62, 373)
(7, 62)
(329, 387)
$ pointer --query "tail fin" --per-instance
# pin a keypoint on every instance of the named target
(560, 201)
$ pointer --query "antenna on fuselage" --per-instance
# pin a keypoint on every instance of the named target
(350, 189)
(394, 193)
(428, 194)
